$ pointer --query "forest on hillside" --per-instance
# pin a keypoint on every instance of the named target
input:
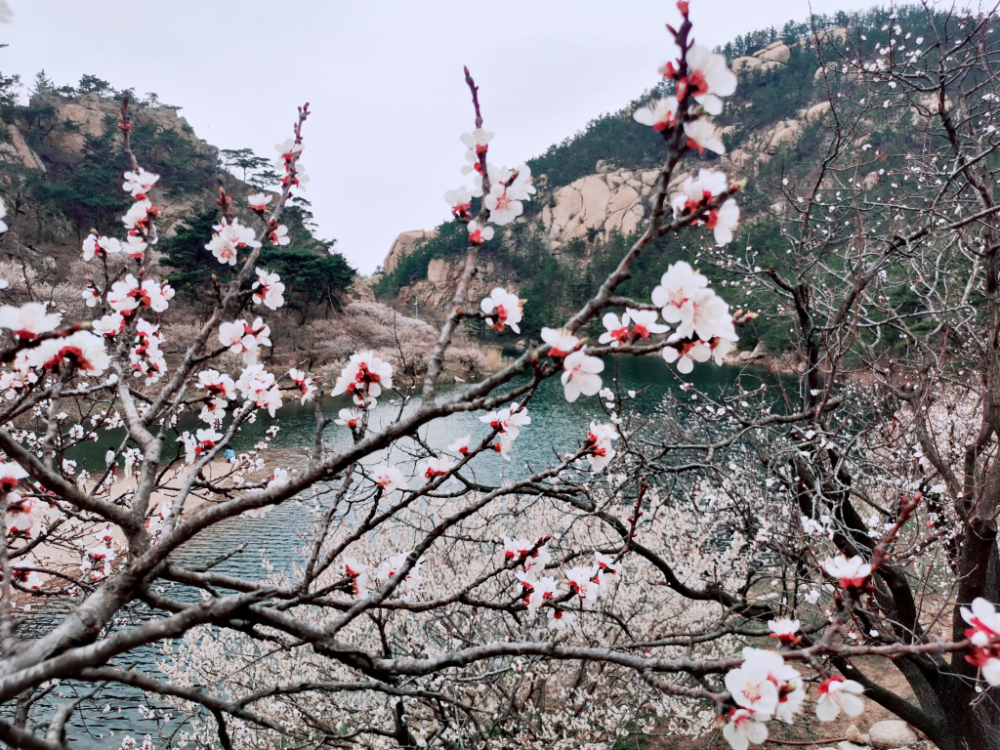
(764, 98)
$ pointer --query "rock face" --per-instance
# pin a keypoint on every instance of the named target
(17, 151)
(891, 734)
(403, 245)
(746, 63)
(90, 115)
(777, 52)
(435, 293)
(597, 203)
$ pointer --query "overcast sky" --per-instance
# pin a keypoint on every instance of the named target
(384, 80)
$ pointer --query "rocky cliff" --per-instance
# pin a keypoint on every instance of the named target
(576, 217)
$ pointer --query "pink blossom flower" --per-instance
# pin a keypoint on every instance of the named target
(436, 467)
(91, 294)
(709, 77)
(721, 346)
(743, 728)
(724, 222)
(257, 385)
(561, 342)
(659, 115)
(502, 206)
(11, 474)
(599, 439)
(644, 323)
(686, 353)
(460, 201)
(560, 619)
(243, 338)
(701, 135)
(535, 592)
(136, 219)
(698, 191)
(95, 246)
(24, 515)
(984, 619)
(364, 377)
(750, 687)
(83, 349)
(705, 315)
(349, 418)
(134, 247)
(788, 696)
(278, 235)
(505, 307)
(677, 289)
(478, 235)
(837, 694)
(109, 325)
(504, 445)
(785, 630)
(258, 201)
(520, 184)
(217, 384)
(389, 478)
(852, 573)
(139, 183)
(356, 571)
(460, 445)
(129, 295)
(268, 289)
(307, 389)
(580, 375)
(617, 329)
(229, 239)
(29, 321)
(584, 582)
(477, 142)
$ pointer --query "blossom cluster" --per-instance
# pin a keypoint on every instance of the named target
(705, 327)
(363, 378)
(508, 189)
(706, 80)
(764, 687)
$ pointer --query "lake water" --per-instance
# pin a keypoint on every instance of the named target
(555, 424)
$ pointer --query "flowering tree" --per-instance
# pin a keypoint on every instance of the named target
(610, 592)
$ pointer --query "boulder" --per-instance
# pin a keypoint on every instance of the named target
(745, 63)
(770, 65)
(777, 52)
(757, 353)
(22, 150)
(816, 111)
(437, 271)
(650, 177)
(855, 735)
(829, 67)
(569, 202)
(884, 735)
(624, 198)
(404, 244)
(595, 194)
(786, 131)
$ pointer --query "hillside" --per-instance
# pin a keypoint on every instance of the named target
(61, 166)
(593, 188)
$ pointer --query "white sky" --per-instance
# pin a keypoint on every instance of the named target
(384, 80)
